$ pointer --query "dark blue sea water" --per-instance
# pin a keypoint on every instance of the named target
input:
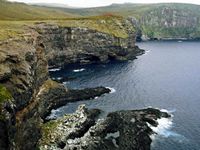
(166, 77)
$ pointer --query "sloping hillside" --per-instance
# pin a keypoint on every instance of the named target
(131, 9)
(120, 9)
(21, 11)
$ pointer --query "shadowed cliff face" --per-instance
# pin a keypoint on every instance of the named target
(23, 69)
(67, 45)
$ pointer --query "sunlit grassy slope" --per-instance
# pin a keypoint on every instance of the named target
(21, 11)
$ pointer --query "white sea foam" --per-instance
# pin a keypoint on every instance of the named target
(168, 111)
(54, 69)
(164, 110)
(115, 135)
(147, 51)
(79, 70)
(112, 90)
(164, 128)
(53, 114)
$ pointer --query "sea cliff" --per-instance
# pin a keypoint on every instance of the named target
(27, 94)
(84, 45)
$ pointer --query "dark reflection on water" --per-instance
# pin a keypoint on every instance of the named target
(167, 76)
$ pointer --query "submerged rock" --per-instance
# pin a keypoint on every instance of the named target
(127, 129)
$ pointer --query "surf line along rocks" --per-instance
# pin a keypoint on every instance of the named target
(126, 129)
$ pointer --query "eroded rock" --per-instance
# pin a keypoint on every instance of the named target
(53, 95)
(119, 130)
(68, 45)
(7, 119)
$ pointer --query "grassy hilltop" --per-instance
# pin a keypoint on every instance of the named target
(15, 17)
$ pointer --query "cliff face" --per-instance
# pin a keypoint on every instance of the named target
(66, 45)
(23, 65)
(23, 70)
(170, 22)
(27, 94)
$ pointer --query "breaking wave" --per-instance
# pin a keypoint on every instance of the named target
(164, 128)
(79, 70)
(54, 69)
(112, 90)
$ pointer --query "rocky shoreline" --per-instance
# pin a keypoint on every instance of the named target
(27, 94)
(83, 130)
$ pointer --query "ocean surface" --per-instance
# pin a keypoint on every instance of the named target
(167, 77)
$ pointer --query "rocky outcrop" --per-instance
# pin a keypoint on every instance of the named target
(67, 45)
(119, 130)
(53, 95)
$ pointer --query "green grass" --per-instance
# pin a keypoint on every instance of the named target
(11, 29)
(131, 9)
(106, 24)
(4, 94)
(112, 25)
(15, 16)
(50, 130)
(21, 11)
(47, 129)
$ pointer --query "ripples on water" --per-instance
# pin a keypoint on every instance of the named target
(167, 76)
